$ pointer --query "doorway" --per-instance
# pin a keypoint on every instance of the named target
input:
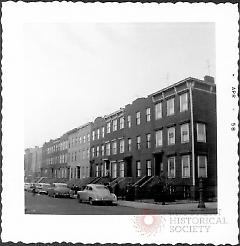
(158, 164)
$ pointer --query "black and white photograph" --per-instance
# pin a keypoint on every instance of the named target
(120, 117)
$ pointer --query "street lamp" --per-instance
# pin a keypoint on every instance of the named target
(201, 203)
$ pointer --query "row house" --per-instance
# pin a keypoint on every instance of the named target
(32, 163)
(55, 158)
(79, 152)
(171, 133)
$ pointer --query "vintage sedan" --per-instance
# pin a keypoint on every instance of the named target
(44, 188)
(96, 193)
(58, 190)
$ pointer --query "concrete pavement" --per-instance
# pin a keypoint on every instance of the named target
(187, 207)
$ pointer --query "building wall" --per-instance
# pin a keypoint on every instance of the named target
(78, 152)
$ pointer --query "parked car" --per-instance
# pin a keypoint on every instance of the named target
(58, 190)
(94, 193)
(38, 187)
(27, 186)
(44, 188)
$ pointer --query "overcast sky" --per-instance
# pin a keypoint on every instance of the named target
(77, 72)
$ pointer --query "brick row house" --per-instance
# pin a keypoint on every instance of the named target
(169, 134)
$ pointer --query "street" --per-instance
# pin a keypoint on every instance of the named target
(43, 204)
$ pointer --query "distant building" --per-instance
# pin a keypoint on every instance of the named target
(32, 163)
(78, 152)
(171, 134)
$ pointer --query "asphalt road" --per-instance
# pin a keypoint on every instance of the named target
(43, 204)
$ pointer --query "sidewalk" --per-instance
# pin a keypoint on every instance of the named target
(190, 206)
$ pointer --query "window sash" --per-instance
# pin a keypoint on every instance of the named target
(202, 166)
(185, 133)
(170, 106)
(171, 135)
(201, 132)
(138, 115)
(129, 121)
(171, 167)
(158, 135)
(185, 166)
(184, 102)
(121, 146)
(158, 111)
(148, 114)
(121, 169)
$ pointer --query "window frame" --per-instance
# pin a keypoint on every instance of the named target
(114, 125)
(148, 114)
(148, 140)
(158, 110)
(189, 166)
(182, 136)
(138, 169)
(168, 108)
(121, 122)
(174, 159)
(138, 118)
(206, 164)
(149, 168)
(138, 142)
(168, 131)
(182, 109)
(198, 135)
(121, 145)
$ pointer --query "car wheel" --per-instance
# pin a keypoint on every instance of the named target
(90, 201)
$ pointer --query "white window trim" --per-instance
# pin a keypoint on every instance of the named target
(189, 166)
(180, 96)
(174, 158)
(156, 145)
(156, 116)
(206, 161)
(182, 133)
(170, 99)
(205, 137)
(174, 136)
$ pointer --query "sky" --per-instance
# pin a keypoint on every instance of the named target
(75, 72)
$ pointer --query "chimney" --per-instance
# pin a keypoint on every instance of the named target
(209, 79)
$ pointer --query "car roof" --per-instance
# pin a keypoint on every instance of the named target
(96, 185)
(60, 183)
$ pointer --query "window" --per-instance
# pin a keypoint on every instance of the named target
(138, 169)
(93, 135)
(171, 135)
(129, 147)
(149, 168)
(171, 167)
(103, 131)
(121, 169)
(88, 137)
(138, 142)
(108, 149)
(75, 156)
(202, 166)
(92, 151)
(84, 139)
(98, 133)
(148, 141)
(148, 114)
(201, 132)
(102, 150)
(121, 122)
(185, 133)
(121, 149)
(102, 172)
(170, 106)
(158, 137)
(114, 147)
(114, 170)
(183, 102)
(80, 140)
(129, 121)
(185, 166)
(115, 125)
(138, 116)
(97, 152)
(108, 127)
(88, 153)
(97, 172)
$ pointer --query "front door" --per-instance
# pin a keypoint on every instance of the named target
(158, 164)
(129, 167)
